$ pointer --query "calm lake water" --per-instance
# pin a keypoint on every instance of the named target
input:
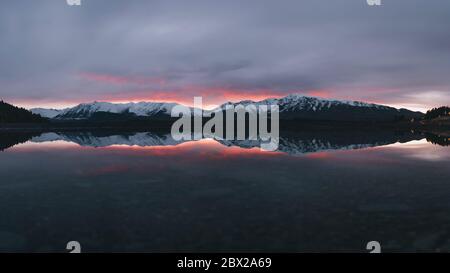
(143, 192)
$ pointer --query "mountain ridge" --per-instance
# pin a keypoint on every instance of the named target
(293, 106)
(86, 110)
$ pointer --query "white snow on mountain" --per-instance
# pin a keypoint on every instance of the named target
(46, 113)
(85, 110)
(295, 102)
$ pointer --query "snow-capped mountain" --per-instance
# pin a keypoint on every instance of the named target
(291, 107)
(299, 102)
(87, 110)
(297, 106)
(46, 113)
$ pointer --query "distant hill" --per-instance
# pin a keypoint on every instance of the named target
(13, 114)
(436, 123)
(441, 112)
(441, 121)
(438, 117)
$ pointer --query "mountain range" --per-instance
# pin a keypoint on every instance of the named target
(291, 107)
(89, 110)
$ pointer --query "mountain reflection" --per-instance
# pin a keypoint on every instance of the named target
(290, 142)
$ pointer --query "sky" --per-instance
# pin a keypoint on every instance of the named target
(56, 55)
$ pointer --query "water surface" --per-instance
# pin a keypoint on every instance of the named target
(144, 192)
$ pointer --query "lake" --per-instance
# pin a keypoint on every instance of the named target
(145, 192)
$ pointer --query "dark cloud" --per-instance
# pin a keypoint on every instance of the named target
(388, 54)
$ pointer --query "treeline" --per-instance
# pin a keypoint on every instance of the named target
(437, 112)
(13, 114)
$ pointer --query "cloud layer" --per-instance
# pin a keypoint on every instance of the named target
(55, 54)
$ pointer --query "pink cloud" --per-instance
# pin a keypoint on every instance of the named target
(121, 80)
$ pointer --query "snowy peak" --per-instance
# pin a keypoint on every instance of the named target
(46, 113)
(299, 107)
(86, 110)
(294, 106)
(294, 102)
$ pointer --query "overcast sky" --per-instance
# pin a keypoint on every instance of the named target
(57, 55)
